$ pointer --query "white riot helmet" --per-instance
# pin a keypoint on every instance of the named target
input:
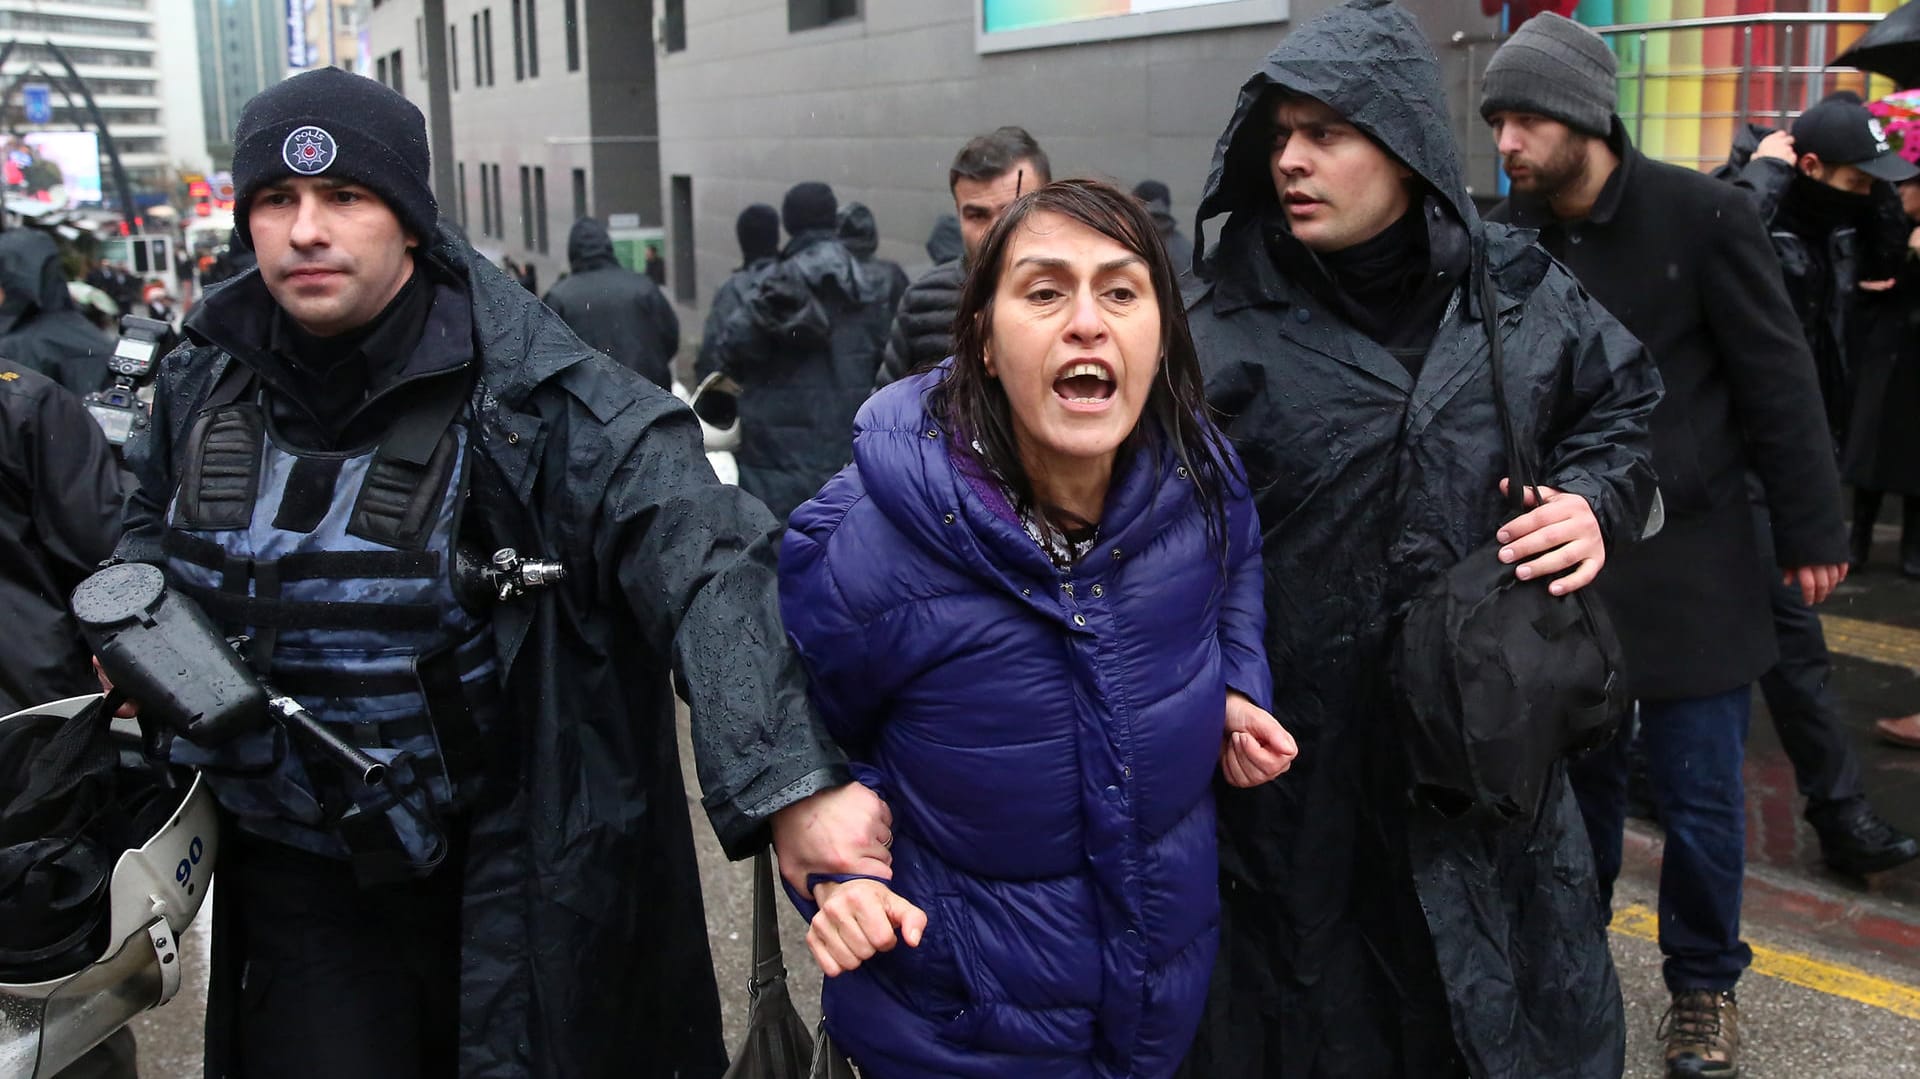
(153, 894)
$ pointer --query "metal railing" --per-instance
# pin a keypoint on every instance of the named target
(1777, 68)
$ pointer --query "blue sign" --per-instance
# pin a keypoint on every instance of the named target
(39, 102)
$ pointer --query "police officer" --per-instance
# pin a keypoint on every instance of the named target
(345, 421)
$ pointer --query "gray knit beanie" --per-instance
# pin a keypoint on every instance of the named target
(1554, 67)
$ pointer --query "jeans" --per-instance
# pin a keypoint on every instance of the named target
(1825, 766)
(1694, 752)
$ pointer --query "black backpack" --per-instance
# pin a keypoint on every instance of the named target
(1498, 678)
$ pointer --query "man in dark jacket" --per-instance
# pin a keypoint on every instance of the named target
(1159, 202)
(758, 231)
(373, 399)
(60, 504)
(861, 235)
(1822, 190)
(988, 173)
(40, 328)
(803, 346)
(614, 310)
(1690, 603)
(1362, 936)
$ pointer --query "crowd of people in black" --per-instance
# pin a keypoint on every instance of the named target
(1054, 636)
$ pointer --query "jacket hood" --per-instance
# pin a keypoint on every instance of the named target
(30, 272)
(858, 230)
(1370, 61)
(589, 247)
(944, 243)
(918, 481)
(1746, 142)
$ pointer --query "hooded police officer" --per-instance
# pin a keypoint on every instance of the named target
(347, 419)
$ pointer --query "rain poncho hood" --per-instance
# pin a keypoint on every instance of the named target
(589, 246)
(1368, 60)
(858, 230)
(31, 273)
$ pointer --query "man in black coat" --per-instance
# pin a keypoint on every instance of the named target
(1363, 935)
(803, 345)
(988, 173)
(1683, 261)
(861, 235)
(614, 310)
(375, 398)
(60, 505)
(758, 231)
(40, 328)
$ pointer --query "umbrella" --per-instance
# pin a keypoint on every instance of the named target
(1891, 48)
(778, 1044)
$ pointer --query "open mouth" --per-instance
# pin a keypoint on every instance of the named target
(1084, 383)
(1298, 201)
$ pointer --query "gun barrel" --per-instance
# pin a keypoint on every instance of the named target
(300, 722)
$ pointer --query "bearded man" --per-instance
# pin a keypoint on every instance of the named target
(1684, 262)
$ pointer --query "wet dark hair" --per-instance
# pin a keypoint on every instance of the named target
(973, 405)
(995, 154)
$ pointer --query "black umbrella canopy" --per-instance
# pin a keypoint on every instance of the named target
(1891, 48)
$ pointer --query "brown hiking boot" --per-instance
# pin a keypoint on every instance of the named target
(1702, 1035)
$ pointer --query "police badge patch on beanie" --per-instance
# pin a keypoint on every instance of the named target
(309, 150)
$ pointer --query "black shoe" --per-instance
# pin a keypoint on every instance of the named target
(1854, 839)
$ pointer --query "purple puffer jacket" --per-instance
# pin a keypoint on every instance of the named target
(1047, 742)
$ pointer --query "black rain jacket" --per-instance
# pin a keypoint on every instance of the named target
(611, 308)
(1360, 937)
(40, 328)
(586, 949)
(804, 345)
(60, 508)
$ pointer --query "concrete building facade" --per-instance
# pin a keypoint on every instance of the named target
(539, 111)
(874, 97)
(330, 32)
(245, 45)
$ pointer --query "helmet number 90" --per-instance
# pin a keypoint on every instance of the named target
(184, 871)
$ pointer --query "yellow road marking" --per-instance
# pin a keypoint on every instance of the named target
(1833, 979)
(1875, 642)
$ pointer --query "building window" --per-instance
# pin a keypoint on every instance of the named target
(486, 23)
(526, 207)
(460, 181)
(453, 54)
(499, 215)
(394, 64)
(540, 209)
(519, 47)
(808, 14)
(533, 41)
(479, 62)
(579, 194)
(486, 205)
(420, 48)
(380, 71)
(570, 18)
(682, 199)
(676, 25)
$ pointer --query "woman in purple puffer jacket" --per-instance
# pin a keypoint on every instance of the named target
(1032, 614)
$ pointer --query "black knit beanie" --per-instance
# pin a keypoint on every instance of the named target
(809, 207)
(758, 230)
(327, 122)
(1553, 67)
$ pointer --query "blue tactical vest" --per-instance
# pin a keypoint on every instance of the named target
(339, 567)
